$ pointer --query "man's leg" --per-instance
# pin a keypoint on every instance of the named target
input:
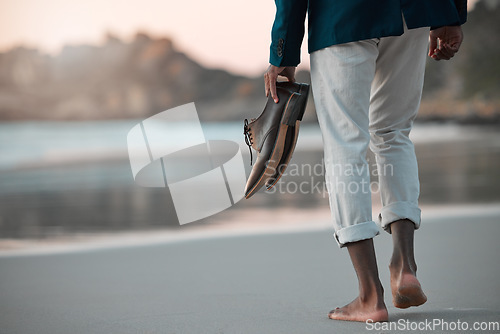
(370, 302)
(341, 80)
(406, 289)
(395, 98)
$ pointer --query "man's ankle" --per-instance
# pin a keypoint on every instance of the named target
(374, 291)
(400, 266)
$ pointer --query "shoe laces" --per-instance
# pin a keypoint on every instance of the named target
(248, 139)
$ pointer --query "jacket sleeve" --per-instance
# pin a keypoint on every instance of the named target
(461, 6)
(287, 32)
(462, 10)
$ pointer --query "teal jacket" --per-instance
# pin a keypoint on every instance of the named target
(333, 22)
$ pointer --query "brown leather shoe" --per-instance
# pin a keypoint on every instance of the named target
(292, 135)
(267, 133)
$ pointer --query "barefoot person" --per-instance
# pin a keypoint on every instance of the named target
(367, 71)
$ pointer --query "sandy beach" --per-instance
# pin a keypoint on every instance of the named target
(275, 281)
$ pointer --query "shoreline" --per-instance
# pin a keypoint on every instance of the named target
(115, 151)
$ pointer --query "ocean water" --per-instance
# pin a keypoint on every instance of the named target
(64, 177)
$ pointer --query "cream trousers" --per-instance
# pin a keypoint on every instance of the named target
(367, 93)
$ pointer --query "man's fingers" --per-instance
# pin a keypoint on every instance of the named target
(444, 42)
(432, 45)
(447, 52)
(271, 76)
(290, 75)
(441, 55)
(437, 55)
(266, 84)
(453, 47)
(450, 50)
(272, 84)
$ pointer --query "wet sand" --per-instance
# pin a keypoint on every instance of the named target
(280, 282)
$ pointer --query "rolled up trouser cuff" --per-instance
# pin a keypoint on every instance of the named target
(353, 233)
(398, 211)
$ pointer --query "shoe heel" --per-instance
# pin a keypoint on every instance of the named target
(304, 94)
(296, 106)
(293, 111)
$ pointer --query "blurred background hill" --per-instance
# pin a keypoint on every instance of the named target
(142, 77)
(115, 80)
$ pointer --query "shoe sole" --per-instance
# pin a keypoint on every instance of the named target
(289, 115)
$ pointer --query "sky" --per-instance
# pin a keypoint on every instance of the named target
(229, 34)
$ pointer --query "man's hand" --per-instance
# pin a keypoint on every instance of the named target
(271, 76)
(445, 42)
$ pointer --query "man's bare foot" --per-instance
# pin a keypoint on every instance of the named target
(370, 302)
(406, 290)
(360, 311)
(405, 287)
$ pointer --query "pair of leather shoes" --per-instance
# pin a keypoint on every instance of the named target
(274, 134)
